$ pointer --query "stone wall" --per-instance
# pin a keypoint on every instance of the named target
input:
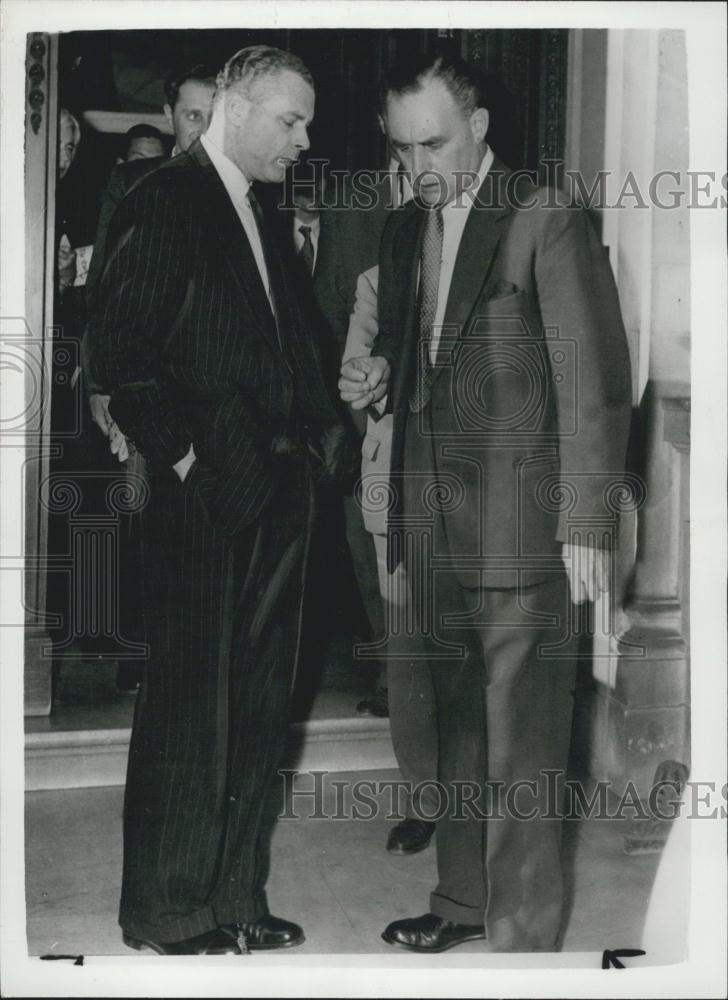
(633, 709)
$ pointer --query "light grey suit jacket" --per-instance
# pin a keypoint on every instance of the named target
(376, 449)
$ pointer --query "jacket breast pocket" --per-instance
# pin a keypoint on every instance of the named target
(510, 317)
(503, 304)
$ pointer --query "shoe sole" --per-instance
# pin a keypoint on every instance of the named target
(140, 945)
(273, 947)
(401, 851)
(432, 951)
(276, 947)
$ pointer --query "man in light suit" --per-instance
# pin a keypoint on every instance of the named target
(213, 377)
(502, 358)
(410, 696)
(346, 290)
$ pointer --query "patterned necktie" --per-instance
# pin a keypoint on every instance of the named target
(430, 260)
(306, 252)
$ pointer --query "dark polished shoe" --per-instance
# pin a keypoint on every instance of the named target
(266, 933)
(410, 836)
(430, 933)
(128, 679)
(377, 704)
(214, 942)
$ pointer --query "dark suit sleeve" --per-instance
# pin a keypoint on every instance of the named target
(330, 277)
(388, 343)
(110, 199)
(134, 311)
(578, 298)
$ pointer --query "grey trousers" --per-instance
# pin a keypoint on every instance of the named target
(411, 695)
(504, 709)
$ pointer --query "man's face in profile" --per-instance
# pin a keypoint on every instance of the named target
(270, 125)
(191, 113)
(144, 147)
(67, 144)
(434, 139)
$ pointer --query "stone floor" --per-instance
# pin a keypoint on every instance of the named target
(333, 876)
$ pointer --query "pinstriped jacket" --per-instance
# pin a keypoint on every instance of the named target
(184, 337)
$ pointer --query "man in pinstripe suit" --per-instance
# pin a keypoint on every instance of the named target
(215, 378)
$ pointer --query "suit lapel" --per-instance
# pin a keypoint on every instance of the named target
(403, 308)
(478, 250)
(227, 227)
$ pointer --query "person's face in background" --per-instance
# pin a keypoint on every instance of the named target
(67, 143)
(307, 204)
(191, 113)
(144, 148)
(434, 140)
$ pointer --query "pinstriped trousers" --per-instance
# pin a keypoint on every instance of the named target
(211, 716)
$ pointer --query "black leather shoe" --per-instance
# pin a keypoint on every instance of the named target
(214, 942)
(377, 705)
(430, 933)
(266, 933)
(410, 836)
(128, 679)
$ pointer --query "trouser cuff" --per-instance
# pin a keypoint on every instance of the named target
(456, 913)
(239, 911)
(200, 922)
(169, 931)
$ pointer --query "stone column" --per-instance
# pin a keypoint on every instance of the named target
(29, 338)
(636, 706)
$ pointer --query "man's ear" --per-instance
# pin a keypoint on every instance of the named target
(479, 122)
(237, 106)
(168, 115)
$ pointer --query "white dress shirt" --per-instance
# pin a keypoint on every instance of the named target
(454, 216)
(237, 186)
(298, 240)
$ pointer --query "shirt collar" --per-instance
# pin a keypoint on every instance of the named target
(232, 176)
(314, 226)
(468, 197)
